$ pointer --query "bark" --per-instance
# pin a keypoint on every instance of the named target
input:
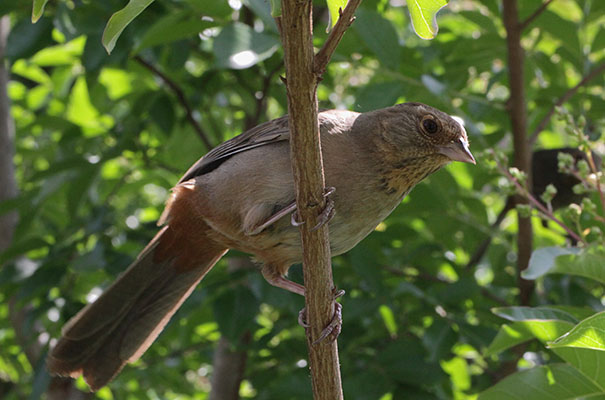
(301, 83)
(522, 149)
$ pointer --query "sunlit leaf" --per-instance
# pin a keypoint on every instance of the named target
(424, 16)
(38, 10)
(120, 20)
(335, 6)
(589, 334)
(533, 313)
(509, 336)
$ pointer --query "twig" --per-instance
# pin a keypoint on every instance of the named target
(180, 95)
(596, 185)
(521, 189)
(524, 24)
(346, 19)
(566, 96)
(262, 101)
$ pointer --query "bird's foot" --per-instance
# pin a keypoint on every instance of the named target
(332, 330)
(326, 214)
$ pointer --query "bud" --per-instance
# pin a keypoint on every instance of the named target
(566, 162)
(583, 167)
(574, 211)
(519, 175)
(549, 193)
(579, 189)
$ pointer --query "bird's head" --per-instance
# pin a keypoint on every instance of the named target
(416, 131)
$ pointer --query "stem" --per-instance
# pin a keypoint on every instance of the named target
(522, 153)
(346, 19)
(180, 95)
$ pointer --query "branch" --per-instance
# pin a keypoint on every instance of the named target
(566, 96)
(180, 95)
(545, 211)
(523, 25)
(346, 19)
(522, 154)
(305, 151)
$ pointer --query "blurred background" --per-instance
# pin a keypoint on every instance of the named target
(100, 139)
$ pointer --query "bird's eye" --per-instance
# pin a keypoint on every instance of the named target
(430, 125)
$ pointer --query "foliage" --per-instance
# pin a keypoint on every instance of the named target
(101, 139)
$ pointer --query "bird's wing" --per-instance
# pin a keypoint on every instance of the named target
(269, 132)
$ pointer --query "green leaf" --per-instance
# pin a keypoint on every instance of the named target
(588, 334)
(276, 8)
(38, 10)
(424, 16)
(588, 263)
(543, 260)
(335, 6)
(522, 331)
(120, 20)
(380, 36)
(238, 46)
(173, 27)
(589, 362)
(235, 311)
(509, 336)
(549, 382)
(533, 314)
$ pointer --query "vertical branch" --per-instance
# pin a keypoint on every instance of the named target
(522, 151)
(305, 152)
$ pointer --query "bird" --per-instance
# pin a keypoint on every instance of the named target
(241, 196)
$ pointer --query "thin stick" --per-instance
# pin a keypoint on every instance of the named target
(346, 19)
(534, 15)
(180, 95)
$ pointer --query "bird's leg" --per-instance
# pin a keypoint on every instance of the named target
(276, 279)
(326, 214)
(334, 327)
(290, 208)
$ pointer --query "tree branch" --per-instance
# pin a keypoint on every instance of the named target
(522, 153)
(523, 25)
(566, 96)
(305, 151)
(346, 19)
(180, 95)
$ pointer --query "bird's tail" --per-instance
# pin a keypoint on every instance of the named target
(123, 322)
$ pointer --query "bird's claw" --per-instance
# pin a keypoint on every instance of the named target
(326, 214)
(334, 327)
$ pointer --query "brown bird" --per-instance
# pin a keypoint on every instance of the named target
(240, 196)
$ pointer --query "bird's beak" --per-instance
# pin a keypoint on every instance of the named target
(457, 150)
